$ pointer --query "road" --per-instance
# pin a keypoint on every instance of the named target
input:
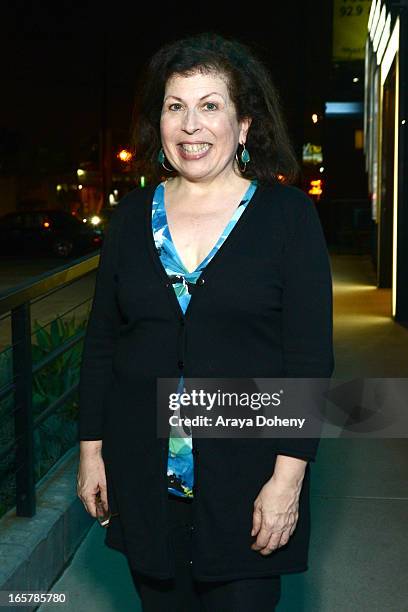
(73, 299)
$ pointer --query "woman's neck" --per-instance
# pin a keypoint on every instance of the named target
(213, 187)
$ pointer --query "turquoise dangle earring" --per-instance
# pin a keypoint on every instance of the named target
(245, 158)
(161, 158)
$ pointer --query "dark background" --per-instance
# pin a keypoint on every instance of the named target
(53, 66)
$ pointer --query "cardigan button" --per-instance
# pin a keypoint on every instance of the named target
(201, 281)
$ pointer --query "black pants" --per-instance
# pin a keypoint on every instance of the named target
(183, 594)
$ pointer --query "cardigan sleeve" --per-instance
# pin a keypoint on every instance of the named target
(100, 337)
(307, 317)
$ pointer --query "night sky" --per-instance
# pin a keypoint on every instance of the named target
(52, 61)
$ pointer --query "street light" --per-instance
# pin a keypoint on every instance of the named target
(124, 155)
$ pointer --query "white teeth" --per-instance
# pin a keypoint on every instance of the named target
(196, 148)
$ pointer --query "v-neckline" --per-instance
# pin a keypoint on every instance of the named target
(210, 265)
(248, 194)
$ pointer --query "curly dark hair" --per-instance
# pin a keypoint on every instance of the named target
(250, 87)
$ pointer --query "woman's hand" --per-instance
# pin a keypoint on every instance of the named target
(91, 477)
(275, 514)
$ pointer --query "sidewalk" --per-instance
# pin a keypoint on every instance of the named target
(359, 545)
(98, 580)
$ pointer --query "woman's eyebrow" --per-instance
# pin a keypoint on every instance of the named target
(202, 98)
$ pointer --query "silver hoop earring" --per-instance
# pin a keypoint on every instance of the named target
(168, 169)
(161, 159)
(245, 158)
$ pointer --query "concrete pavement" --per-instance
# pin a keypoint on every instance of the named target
(359, 545)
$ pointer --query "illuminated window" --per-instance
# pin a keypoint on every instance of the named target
(358, 139)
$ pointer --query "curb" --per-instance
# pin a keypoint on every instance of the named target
(35, 550)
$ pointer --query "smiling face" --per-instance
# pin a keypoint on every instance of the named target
(199, 129)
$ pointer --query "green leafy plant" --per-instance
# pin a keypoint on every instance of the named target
(58, 432)
(7, 485)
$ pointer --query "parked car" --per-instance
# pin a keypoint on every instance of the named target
(54, 232)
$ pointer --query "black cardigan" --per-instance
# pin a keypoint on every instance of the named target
(262, 308)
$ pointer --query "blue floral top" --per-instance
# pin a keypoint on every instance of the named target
(180, 472)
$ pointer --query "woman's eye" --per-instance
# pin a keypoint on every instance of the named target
(210, 106)
(175, 106)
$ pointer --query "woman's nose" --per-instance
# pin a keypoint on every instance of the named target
(191, 122)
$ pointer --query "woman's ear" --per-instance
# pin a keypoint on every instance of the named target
(245, 124)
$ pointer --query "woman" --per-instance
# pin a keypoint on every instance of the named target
(219, 271)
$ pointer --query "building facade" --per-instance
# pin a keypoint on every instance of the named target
(385, 144)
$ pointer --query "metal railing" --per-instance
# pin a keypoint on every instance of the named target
(16, 303)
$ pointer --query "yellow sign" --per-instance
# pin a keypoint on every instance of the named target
(350, 20)
(316, 187)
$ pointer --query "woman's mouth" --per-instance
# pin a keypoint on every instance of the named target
(194, 150)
